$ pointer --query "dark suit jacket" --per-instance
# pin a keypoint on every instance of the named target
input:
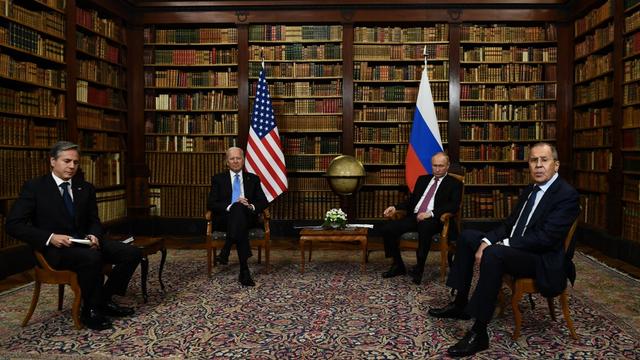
(545, 234)
(40, 211)
(447, 198)
(221, 189)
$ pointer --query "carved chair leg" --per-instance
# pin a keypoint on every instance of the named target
(310, 249)
(34, 302)
(267, 254)
(75, 309)
(60, 296)
(564, 303)
(517, 316)
(443, 259)
(259, 254)
(552, 310)
(211, 260)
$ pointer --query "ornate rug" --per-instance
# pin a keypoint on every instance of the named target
(332, 311)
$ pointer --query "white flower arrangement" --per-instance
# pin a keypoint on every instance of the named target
(335, 218)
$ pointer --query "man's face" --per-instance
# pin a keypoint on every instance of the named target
(66, 165)
(542, 165)
(235, 160)
(440, 165)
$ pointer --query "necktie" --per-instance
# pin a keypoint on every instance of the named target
(235, 188)
(66, 197)
(427, 199)
(522, 221)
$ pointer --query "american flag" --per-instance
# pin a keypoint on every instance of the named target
(264, 152)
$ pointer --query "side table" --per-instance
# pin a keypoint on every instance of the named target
(150, 245)
(358, 235)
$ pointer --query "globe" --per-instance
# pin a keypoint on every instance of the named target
(345, 175)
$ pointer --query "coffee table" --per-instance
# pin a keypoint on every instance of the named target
(358, 235)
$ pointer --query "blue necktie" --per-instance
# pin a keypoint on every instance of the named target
(522, 221)
(66, 197)
(236, 188)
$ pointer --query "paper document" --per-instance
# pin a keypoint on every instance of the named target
(128, 240)
(81, 241)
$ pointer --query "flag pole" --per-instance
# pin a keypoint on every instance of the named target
(424, 53)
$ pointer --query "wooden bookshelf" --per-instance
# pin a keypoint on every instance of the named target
(304, 71)
(33, 94)
(101, 103)
(508, 102)
(387, 68)
(631, 123)
(593, 126)
(191, 112)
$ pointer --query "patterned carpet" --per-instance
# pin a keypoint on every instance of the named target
(333, 311)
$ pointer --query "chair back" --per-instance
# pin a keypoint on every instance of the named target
(569, 238)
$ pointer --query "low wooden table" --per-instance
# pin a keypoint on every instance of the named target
(150, 245)
(347, 235)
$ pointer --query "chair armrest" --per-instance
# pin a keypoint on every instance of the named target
(208, 216)
(446, 220)
(446, 216)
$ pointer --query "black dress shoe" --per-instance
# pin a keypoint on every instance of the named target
(93, 319)
(395, 270)
(471, 343)
(222, 260)
(245, 278)
(451, 311)
(416, 274)
(115, 310)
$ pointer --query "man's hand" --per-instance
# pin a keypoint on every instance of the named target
(95, 243)
(423, 215)
(388, 212)
(244, 201)
(483, 245)
(60, 241)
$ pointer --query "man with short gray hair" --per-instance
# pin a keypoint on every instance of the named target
(52, 213)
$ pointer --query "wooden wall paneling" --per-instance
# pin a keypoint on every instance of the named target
(614, 204)
(454, 97)
(244, 113)
(564, 123)
(347, 89)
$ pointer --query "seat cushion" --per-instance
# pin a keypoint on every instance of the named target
(254, 233)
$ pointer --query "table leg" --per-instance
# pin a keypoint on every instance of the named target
(144, 271)
(163, 257)
(363, 244)
(302, 256)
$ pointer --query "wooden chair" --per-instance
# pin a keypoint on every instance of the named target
(45, 274)
(521, 286)
(259, 237)
(441, 242)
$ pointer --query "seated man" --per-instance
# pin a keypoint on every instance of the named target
(55, 208)
(433, 196)
(236, 198)
(529, 243)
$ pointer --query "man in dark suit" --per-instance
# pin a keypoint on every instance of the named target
(54, 209)
(528, 243)
(433, 196)
(236, 198)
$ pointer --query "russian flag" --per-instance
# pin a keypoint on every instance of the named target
(424, 140)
